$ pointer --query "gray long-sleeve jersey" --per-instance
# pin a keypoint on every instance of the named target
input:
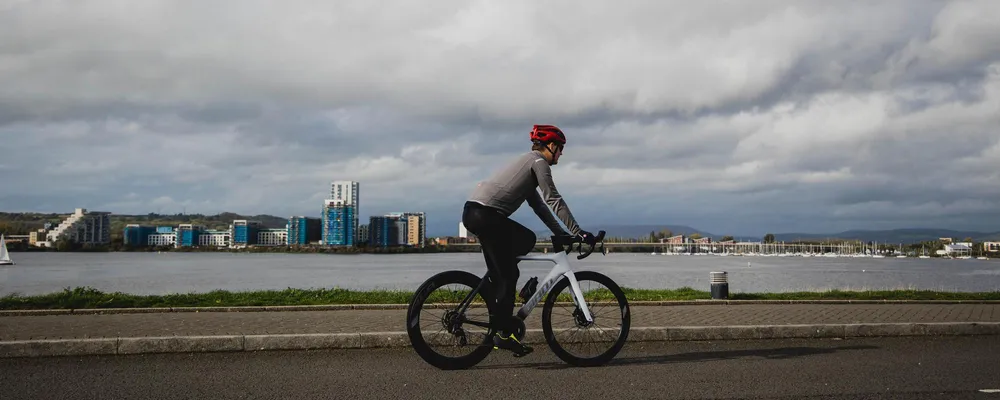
(509, 187)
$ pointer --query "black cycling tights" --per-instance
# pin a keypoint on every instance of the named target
(502, 241)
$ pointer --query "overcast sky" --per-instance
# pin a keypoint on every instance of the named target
(734, 117)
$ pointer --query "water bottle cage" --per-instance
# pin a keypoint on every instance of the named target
(529, 289)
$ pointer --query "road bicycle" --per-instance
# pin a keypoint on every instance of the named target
(453, 310)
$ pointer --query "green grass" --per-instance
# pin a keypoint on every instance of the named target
(85, 297)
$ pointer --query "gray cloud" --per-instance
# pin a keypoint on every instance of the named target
(743, 118)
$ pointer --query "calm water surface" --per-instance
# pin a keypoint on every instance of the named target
(163, 273)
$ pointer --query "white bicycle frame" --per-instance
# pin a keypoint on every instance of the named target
(561, 269)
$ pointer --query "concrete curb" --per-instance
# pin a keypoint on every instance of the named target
(342, 307)
(368, 340)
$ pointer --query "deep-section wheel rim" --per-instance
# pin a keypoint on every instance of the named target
(440, 334)
(570, 336)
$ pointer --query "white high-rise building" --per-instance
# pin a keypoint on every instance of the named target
(345, 191)
(462, 232)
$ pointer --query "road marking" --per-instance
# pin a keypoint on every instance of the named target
(990, 390)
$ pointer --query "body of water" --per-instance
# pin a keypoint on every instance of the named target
(163, 273)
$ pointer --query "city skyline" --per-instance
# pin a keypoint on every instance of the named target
(741, 120)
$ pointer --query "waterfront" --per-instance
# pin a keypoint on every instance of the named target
(176, 272)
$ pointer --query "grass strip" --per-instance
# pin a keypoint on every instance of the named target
(86, 297)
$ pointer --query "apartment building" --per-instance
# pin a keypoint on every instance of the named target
(339, 223)
(244, 232)
(83, 227)
(304, 230)
(347, 194)
(273, 237)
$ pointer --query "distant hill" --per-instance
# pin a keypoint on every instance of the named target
(638, 231)
(644, 230)
(209, 221)
(22, 223)
(909, 235)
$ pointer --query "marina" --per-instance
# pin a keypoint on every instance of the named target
(760, 249)
(756, 249)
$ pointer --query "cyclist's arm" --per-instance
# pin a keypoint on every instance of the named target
(543, 173)
(536, 203)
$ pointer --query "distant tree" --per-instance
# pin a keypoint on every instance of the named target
(769, 238)
(695, 236)
(726, 238)
(14, 228)
(665, 233)
(64, 245)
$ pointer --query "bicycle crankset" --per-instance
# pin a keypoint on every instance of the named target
(519, 330)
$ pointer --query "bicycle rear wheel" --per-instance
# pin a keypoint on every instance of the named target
(573, 339)
(442, 335)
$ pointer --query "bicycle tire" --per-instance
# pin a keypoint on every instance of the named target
(413, 323)
(619, 342)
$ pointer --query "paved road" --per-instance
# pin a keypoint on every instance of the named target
(903, 368)
(353, 321)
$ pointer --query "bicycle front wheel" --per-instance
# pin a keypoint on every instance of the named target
(439, 331)
(570, 336)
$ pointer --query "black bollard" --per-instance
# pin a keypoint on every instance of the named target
(720, 285)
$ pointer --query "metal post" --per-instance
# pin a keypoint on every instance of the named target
(720, 285)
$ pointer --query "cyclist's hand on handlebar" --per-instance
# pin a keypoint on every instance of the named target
(587, 237)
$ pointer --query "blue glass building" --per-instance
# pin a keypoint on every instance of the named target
(339, 223)
(378, 231)
(137, 235)
(388, 230)
(244, 232)
(187, 235)
(304, 230)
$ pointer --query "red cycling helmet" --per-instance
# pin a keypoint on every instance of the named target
(548, 133)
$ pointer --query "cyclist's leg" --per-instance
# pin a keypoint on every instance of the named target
(483, 223)
(522, 241)
(516, 240)
(501, 242)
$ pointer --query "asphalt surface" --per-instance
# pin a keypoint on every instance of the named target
(883, 368)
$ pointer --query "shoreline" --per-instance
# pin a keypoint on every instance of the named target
(89, 298)
(458, 250)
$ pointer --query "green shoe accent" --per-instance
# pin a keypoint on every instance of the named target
(511, 343)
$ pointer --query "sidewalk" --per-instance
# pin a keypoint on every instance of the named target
(37, 334)
(357, 321)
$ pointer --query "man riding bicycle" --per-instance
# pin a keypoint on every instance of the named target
(487, 213)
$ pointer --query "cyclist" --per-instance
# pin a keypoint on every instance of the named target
(487, 213)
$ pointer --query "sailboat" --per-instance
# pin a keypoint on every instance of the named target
(875, 252)
(4, 254)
